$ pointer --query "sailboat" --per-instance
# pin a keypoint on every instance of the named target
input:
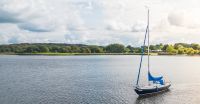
(155, 84)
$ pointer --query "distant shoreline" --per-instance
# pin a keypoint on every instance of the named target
(70, 54)
(59, 49)
(90, 54)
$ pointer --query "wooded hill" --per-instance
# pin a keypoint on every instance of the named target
(178, 48)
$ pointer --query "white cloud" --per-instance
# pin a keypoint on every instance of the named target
(176, 19)
(188, 19)
(98, 22)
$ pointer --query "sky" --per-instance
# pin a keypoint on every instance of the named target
(98, 22)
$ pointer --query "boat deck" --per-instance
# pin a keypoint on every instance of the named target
(153, 86)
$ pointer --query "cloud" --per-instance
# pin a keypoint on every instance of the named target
(187, 19)
(6, 17)
(176, 19)
(35, 27)
(97, 22)
(117, 26)
(3, 39)
(13, 11)
(30, 15)
(139, 26)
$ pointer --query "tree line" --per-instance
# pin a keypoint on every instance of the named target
(178, 48)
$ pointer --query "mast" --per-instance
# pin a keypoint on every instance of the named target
(141, 59)
(148, 40)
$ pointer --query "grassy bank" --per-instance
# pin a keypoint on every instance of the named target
(70, 54)
(84, 54)
(73, 54)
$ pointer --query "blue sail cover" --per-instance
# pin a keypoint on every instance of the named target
(155, 79)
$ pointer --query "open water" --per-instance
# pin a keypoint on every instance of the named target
(95, 79)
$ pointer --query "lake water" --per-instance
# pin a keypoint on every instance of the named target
(94, 79)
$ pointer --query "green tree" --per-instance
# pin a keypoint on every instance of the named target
(181, 51)
(43, 49)
(160, 46)
(85, 50)
(65, 49)
(75, 49)
(137, 50)
(195, 46)
(95, 49)
(165, 47)
(185, 45)
(190, 51)
(115, 48)
(156, 47)
(18, 49)
(54, 48)
(32, 49)
(129, 49)
(170, 49)
(152, 47)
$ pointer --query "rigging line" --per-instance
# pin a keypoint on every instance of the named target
(142, 55)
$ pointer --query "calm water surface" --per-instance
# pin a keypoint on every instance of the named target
(94, 79)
